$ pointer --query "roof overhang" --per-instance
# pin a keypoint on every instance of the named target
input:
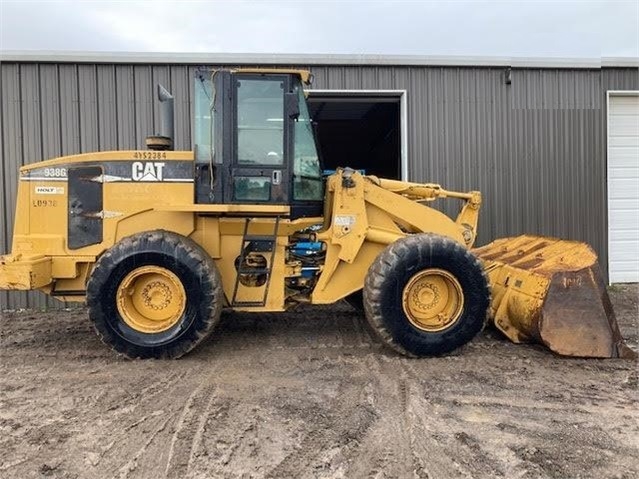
(312, 59)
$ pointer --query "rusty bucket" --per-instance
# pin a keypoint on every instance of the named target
(551, 291)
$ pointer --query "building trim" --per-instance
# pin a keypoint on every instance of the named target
(311, 59)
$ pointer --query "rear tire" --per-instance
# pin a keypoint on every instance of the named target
(154, 295)
(426, 295)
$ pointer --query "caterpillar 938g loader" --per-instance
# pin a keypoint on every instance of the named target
(158, 242)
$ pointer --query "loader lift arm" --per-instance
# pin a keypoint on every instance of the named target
(365, 214)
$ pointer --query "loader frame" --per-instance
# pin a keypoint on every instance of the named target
(362, 216)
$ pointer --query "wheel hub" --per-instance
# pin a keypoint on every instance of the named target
(433, 300)
(151, 299)
(157, 295)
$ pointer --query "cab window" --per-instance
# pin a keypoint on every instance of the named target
(204, 118)
(307, 174)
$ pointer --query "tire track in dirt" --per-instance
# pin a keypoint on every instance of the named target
(450, 448)
(130, 402)
(121, 435)
(407, 390)
(199, 431)
(132, 464)
(383, 451)
(337, 434)
(425, 441)
(488, 429)
(153, 389)
(396, 390)
(188, 431)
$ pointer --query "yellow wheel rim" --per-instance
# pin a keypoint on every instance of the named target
(151, 299)
(433, 300)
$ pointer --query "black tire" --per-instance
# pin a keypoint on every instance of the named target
(392, 271)
(182, 257)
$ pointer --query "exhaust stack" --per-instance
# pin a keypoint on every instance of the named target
(163, 141)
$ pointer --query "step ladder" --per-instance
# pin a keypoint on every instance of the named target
(265, 240)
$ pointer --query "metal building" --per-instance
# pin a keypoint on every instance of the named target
(552, 144)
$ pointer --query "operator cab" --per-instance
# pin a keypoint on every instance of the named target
(254, 141)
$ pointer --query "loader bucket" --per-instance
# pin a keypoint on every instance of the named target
(551, 291)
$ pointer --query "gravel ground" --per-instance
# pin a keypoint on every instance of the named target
(310, 394)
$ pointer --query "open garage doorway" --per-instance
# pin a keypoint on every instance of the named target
(363, 129)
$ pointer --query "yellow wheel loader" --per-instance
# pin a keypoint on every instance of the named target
(158, 242)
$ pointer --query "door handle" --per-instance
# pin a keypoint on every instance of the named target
(276, 177)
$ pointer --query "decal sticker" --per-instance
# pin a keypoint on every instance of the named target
(117, 171)
(45, 174)
(45, 203)
(55, 172)
(149, 155)
(149, 171)
(344, 220)
(49, 190)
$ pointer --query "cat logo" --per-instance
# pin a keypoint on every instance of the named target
(149, 171)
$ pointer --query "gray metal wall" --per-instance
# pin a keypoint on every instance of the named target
(535, 148)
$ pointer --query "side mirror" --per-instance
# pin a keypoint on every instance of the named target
(292, 105)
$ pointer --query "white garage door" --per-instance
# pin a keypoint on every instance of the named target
(623, 187)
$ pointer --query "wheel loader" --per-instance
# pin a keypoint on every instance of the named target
(158, 242)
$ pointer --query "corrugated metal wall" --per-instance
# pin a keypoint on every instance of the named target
(535, 148)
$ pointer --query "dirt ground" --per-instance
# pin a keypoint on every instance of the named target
(310, 394)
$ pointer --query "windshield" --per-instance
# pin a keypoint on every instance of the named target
(204, 116)
(307, 174)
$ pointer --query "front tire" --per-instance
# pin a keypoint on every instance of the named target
(426, 295)
(154, 295)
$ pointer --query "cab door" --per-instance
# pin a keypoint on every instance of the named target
(262, 142)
